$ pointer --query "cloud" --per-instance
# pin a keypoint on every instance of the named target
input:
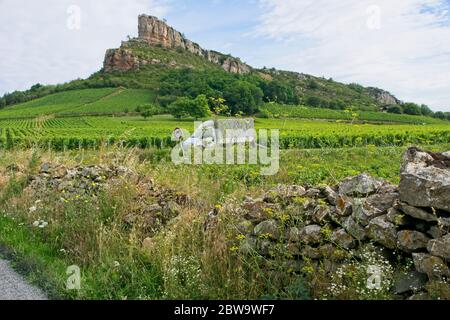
(40, 40)
(402, 46)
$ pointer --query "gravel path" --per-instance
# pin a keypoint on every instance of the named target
(14, 287)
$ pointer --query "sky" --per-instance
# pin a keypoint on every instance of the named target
(402, 46)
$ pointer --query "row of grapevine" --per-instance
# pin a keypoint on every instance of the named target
(91, 132)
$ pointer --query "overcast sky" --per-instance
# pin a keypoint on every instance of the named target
(402, 46)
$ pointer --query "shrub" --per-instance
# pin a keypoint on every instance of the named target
(243, 96)
(186, 107)
(395, 109)
(411, 109)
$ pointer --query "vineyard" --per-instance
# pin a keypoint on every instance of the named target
(271, 110)
(81, 102)
(92, 132)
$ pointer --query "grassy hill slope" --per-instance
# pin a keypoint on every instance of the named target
(176, 73)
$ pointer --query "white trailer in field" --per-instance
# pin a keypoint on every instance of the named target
(219, 132)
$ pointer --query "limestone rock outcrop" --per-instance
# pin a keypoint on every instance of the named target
(157, 33)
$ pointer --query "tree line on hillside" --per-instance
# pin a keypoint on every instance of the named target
(244, 94)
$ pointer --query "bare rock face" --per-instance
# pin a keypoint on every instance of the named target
(362, 185)
(425, 180)
(433, 267)
(410, 241)
(383, 232)
(155, 32)
(440, 247)
(416, 213)
(383, 97)
(120, 60)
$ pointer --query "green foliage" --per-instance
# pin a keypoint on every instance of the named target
(218, 106)
(82, 102)
(278, 111)
(148, 111)
(411, 109)
(93, 132)
(178, 73)
(397, 109)
(280, 92)
(316, 102)
(425, 110)
(356, 87)
(185, 107)
(243, 96)
(440, 115)
(313, 85)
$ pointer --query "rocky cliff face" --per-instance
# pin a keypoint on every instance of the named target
(383, 97)
(155, 32)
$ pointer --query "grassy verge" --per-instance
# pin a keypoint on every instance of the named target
(33, 258)
(184, 261)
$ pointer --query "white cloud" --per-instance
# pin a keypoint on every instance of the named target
(36, 44)
(405, 48)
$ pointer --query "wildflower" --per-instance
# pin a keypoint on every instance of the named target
(32, 209)
(116, 264)
(40, 224)
(240, 237)
(43, 225)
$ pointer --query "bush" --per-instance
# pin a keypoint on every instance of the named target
(395, 109)
(425, 110)
(317, 102)
(439, 115)
(313, 85)
(277, 91)
(412, 109)
(243, 96)
(186, 107)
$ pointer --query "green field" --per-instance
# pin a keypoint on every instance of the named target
(81, 102)
(77, 132)
(286, 111)
(119, 101)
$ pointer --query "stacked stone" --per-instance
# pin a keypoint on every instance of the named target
(412, 219)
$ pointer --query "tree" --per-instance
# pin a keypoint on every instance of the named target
(313, 85)
(200, 107)
(179, 108)
(337, 104)
(218, 106)
(146, 114)
(395, 109)
(425, 110)
(277, 91)
(440, 115)
(36, 87)
(185, 107)
(243, 96)
(147, 111)
(317, 102)
(412, 109)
